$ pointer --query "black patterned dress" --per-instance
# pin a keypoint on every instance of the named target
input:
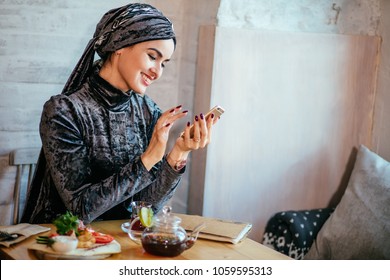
(90, 163)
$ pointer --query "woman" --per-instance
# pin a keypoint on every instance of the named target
(103, 140)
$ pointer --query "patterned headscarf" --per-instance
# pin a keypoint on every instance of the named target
(119, 28)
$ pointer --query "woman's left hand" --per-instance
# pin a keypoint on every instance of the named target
(189, 141)
(201, 135)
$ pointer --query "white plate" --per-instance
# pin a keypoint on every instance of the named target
(99, 251)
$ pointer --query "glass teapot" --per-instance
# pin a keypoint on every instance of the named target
(165, 237)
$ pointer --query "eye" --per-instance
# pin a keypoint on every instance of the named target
(154, 58)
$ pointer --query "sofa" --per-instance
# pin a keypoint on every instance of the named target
(357, 228)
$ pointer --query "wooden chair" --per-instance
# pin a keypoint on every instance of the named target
(22, 158)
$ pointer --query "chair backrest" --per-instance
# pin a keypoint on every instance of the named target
(22, 158)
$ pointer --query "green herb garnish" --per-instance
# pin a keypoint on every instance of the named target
(67, 224)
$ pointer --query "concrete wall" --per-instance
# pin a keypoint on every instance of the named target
(338, 16)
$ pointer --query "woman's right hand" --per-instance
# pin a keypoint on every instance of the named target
(158, 143)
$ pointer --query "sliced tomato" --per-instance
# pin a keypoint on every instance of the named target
(102, 238)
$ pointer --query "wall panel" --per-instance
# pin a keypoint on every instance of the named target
(296, 107)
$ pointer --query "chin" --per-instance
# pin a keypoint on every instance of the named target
(137, 90)
(140, 90)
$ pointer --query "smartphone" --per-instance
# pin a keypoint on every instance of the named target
(216, 110)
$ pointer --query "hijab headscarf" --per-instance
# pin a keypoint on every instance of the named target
(119, 28)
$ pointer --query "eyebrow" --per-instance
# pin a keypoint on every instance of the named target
(158, 53)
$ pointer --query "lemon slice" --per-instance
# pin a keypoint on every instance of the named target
(146, 216)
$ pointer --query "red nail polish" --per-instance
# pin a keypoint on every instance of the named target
(171, 111)
(188, 123)
(168, 125)
(185, 112)
(201, 116)
(196, 118)
(212, 116)
(177, 107)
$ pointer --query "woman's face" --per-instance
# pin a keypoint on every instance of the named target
(138, 66)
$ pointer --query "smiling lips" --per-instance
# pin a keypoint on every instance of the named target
(147, 79)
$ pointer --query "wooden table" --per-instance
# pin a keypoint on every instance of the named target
(202, 250)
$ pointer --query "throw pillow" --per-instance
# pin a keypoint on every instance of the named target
(359, 228)
(293, 232)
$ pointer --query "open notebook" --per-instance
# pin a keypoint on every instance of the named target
(216, 229)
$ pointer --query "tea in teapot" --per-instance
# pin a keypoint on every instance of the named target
(165, 237)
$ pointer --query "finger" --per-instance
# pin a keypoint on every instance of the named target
(196, 136)
(192, 142)
(172, 115)
(169, 113)
(173, 110)
(203, 130)
(214, 119)
(210, 123)
(187, 136)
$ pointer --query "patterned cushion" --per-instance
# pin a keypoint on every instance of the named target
(293, 232)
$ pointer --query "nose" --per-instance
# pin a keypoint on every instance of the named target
(156, 72)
